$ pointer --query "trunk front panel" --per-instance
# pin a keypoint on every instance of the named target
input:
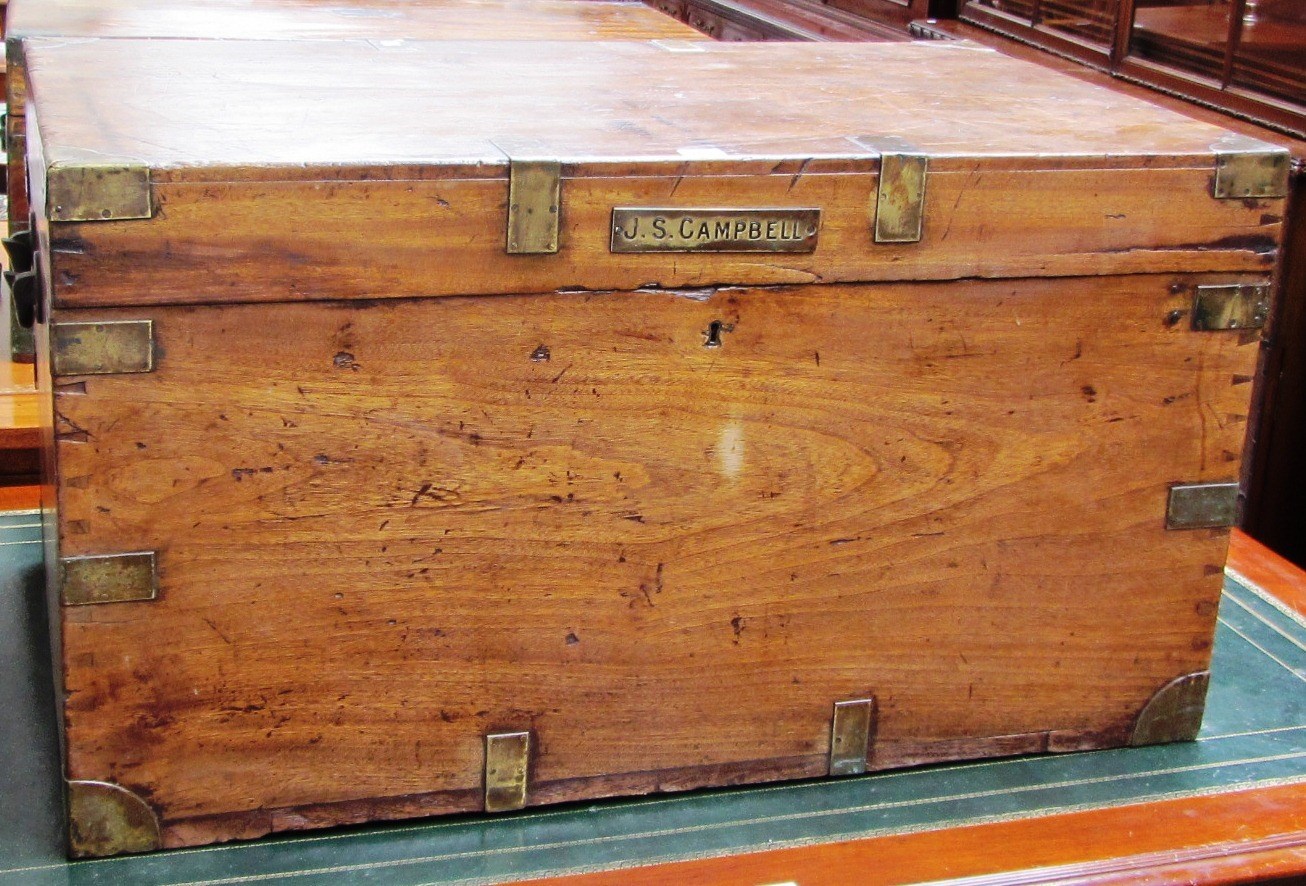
(663, 533)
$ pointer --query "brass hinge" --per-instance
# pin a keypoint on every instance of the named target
(109, 578)
(1202, 506)
(1251, 175)
(98, 192)
(900, 198)
(852, 729)
(534, 206)
(1231, 306)
(507, 765)
(112, 347)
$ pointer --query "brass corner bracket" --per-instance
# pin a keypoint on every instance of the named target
(77, 192)
(106, 819)
(852, 733)
(1174, 712)
(507, 770)
(1251, 175)
(1227, 306)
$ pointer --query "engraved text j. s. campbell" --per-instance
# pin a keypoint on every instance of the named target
(714, 230)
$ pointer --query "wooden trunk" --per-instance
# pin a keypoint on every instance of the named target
(303, 20)
(398, 468)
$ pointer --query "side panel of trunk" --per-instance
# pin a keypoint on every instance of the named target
(665, 534)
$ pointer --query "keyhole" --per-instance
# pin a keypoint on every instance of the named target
(712, 338)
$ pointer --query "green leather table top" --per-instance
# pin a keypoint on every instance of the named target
(1254, 735)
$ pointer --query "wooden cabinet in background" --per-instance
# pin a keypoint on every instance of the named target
(1245, 57)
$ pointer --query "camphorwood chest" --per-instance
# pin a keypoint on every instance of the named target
(471, 426)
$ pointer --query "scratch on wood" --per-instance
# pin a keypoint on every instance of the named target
(797, 175)
(218, 631)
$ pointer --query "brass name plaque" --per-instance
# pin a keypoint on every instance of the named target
(714, 230)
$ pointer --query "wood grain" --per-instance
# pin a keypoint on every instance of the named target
(978, 223)
(385, 529)
(285, 20)
(220, 110)
(1276, 478)
(779, 20)
(19, 208)
(1257, 104)
(282, 20)
(1032, 194)
(16, 377)
(896, 13)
